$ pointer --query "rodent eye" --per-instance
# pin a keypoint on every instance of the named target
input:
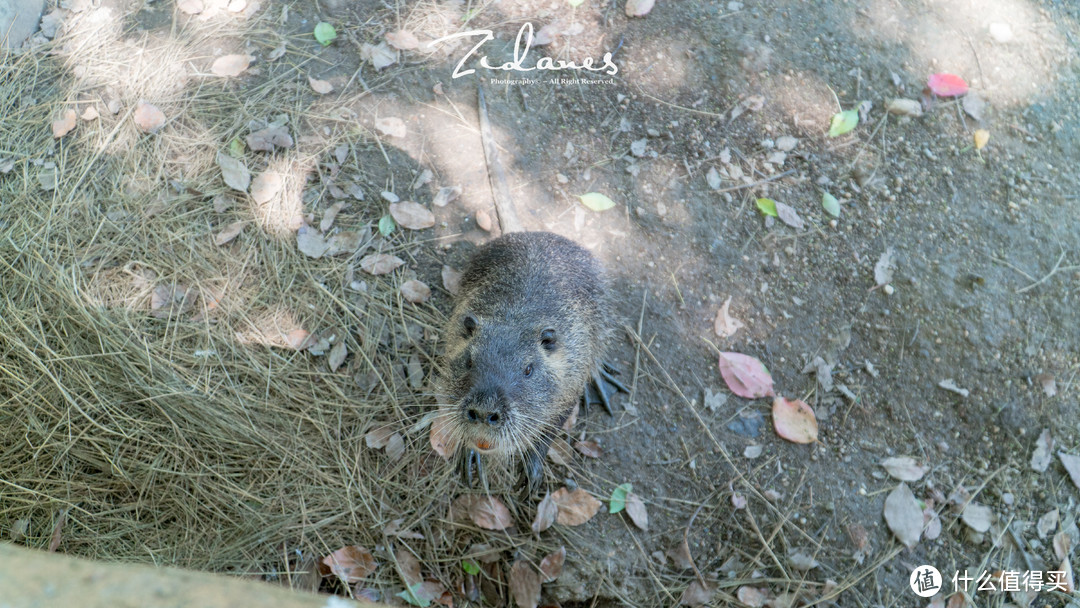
(528, 370)
(547, 338)
(470, 324)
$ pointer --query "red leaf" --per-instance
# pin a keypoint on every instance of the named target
(746, 376)
(947, 85)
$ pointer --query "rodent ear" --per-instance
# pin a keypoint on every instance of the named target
(470, 324)
(547, 338)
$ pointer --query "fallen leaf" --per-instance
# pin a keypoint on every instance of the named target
(786, 143)
(974, 105)
(310, 242)
(789, 216)
(380, 263)
(172, 299)
(451, 280)
(391, 126)
(395, 447)
(446, 195)
(639, 8)
(546, 513)
(738, 500)
(490, 513)
(980, 137)
(745, 376)
(337, 356)
(551, 565)
(379, 55)
(617, 502)
(63, 125)
(752, 596)
(408, 567)
(752, 451)
(697, 594)
(595, 201)
(191, 7)
(883, 269)
(950, 385)
(229, 233)
(322, 87)
(402, 39)
(1047, 523)
(931, 524)
(483, 221)
(903, 515)
(415, 291)
(977, 517)
(524, 585)
(277, 53)
(230, 65)
(843, 122)
(575, 508)
(1061, 544)
(1067, 580)
(148, 118)
(350, 564)
(635, 508)
(588, 448)
(830, 204)
(1048, 384)
(1043, 452)
(947, 85)
(637, 147)
(324, 33)
(378, 437)
(802, 561)
(725, 326)
(442, 439)
(265, 140)
(712, 178)
(266, 186)
(234, 172)
(904, 107)
(794, 420)
(904, 468)
(413, 216)
(767, 206)
(1072, 466)
(330, 215)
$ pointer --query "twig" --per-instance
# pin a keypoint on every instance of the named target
(500, 191)
(757, 183)
(1014, 267)
(686, 541)
(1052, 272)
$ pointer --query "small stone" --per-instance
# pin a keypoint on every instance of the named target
(1001, 32)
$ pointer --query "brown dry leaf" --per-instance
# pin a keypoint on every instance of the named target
(639, 8)
(958, 600)
(172, 299)
(1061, 544)
(903, 515)
(394, 529)
(789, 216)
(148, 118)
(441, 439)
(931, 523)
(1047, 523)
(1068, 579)
(904, 468)
(490, 514)
(635, 508)
(395, 447)
(560, 452)
(551, 565)
(234, 172)
(90, 114)
(413, 216)
(415, 291)
(1072, 466)
(524, 585)
(310, 242)
(978, 517)
(680, 554)
(697, 594)
(277, 53)
(265, 140)
(230, 65)
(380, 55)
(330, 215)
(337, 356)
(1043, 453)
(191, 7)
(794, 420)
(229, 233)
(391, 126)
(408, 566)
(266, 187)
(589, 448)
(322, 87)
(378, 437)
(446, 195)
(575, 508)
(725, 326)
(483, 220)
(738, 500)
(451, 280)
(752, 596)
(350, 564)
(546, 512)
(402, 39)
(63, 125)
(1048, 384)
(380, 263)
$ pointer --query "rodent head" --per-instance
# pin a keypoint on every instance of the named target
(503, 385)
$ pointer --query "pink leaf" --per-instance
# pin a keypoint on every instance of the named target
(746, 376)
(794, 420)
(947, 85)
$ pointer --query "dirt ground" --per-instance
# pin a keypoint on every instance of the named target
(984, 291)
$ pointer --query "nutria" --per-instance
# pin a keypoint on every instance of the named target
(525, 338)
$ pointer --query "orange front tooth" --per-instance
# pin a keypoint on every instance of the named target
(483, 445)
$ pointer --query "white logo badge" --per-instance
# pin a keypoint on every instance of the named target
(925, 581)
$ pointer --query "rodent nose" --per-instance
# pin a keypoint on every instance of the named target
(490, 418)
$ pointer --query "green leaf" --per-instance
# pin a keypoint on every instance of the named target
(386, 225)
(409, 595)
(596, 201)
(574, 3)
(236, 148)
(842, 122)
(470, 567)
(618, 498)
(325, 33)
(767, 206)
(831, 205)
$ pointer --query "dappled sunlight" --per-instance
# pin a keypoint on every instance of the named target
(279, 210)
(1010, 66)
